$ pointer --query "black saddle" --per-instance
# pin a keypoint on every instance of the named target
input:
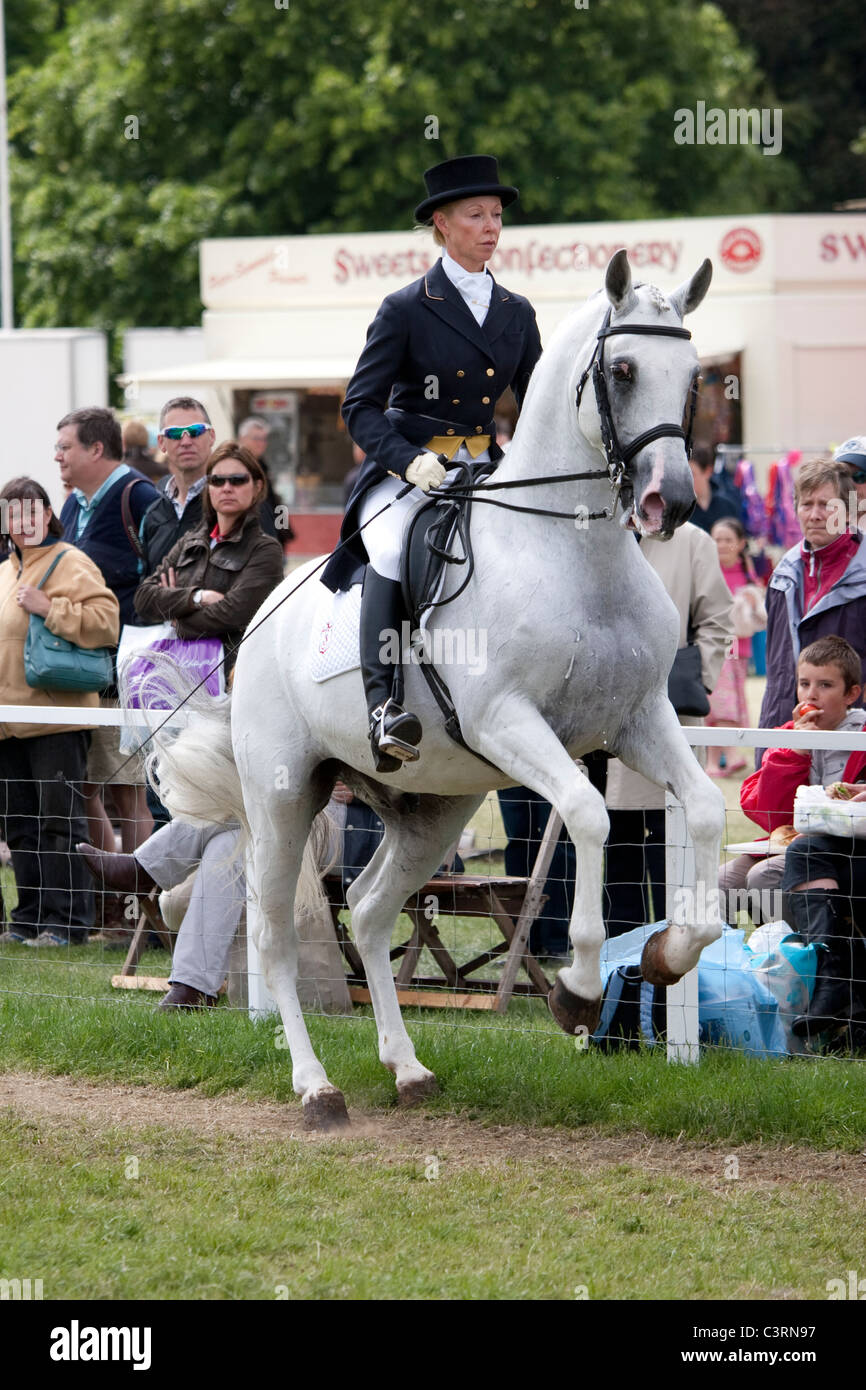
(438, 536)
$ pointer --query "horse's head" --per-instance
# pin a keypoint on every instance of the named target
(640, 408)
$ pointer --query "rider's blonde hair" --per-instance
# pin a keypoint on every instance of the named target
(431, 226)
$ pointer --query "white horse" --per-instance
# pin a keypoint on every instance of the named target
(580, 637)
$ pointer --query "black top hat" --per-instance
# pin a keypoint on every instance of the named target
(470, 175)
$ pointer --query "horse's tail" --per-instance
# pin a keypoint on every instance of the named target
(192, 769)
(194, 773)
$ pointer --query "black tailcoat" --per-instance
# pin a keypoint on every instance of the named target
(428, 368)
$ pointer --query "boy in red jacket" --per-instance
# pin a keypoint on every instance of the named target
(828, 676)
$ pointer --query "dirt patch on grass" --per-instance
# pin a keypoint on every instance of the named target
(402, 1135)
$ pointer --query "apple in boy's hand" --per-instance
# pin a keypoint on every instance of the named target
(805, 715)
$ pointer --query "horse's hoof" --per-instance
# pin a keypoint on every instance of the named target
(413, 1092)
(326, 1111)
(653, 966)
(572, 1013)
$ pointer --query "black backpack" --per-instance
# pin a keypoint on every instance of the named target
(633, 1012)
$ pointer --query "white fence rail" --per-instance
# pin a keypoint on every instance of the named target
(682, 999)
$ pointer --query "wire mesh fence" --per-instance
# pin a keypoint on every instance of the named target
(483, 939)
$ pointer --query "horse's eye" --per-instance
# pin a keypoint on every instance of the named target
(621, 371)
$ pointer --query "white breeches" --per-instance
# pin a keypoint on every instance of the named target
(383, 538)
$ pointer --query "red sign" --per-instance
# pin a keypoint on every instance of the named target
(741, 249)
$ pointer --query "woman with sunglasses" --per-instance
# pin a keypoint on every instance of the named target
(215, 577)
(438, 356)
(210, 583)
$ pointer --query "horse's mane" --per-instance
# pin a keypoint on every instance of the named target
(568, 353)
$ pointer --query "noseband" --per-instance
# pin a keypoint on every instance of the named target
(619, 457)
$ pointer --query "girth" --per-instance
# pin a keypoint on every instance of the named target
(437, 534)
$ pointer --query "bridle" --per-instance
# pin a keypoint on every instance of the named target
(472, 488)
(619, 457)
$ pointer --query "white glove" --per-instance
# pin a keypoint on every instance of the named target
(425, 472)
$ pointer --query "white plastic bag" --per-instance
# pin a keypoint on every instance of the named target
(815, 813)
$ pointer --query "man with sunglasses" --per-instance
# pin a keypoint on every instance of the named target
(187, 438)
(853, 454)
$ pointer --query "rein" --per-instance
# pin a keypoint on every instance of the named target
(469, 491)
(456, 517)
(618, 456)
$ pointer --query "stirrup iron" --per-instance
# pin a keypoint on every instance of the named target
(389, 743)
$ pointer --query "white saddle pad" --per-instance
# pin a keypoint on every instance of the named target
(335, 647)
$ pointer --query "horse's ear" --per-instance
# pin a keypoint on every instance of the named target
(617, 282)
(691, 292)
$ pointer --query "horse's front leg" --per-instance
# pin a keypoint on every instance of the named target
(517, 739)
(654, 745)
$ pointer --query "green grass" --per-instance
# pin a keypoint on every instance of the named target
(65, 1018)
(62, 1016)
(234, 1217)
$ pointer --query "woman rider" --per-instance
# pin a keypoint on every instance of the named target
(439, 354)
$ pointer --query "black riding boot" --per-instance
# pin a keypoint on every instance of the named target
(820, 916)
(393, 731)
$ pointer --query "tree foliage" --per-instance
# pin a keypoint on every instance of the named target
(252, 119)
(815, 58)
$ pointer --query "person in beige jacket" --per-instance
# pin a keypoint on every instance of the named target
(688, 566)
(42, 766)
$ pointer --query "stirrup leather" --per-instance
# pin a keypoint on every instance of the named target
(389, 742)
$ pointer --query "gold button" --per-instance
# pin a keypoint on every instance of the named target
(485, 400)
(455, 401)
(478, 429)
(490, 371)
(461, 373)
(449, 431)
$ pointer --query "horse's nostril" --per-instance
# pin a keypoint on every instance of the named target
(652, 509)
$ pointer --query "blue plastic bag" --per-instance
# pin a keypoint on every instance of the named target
(746, 1000)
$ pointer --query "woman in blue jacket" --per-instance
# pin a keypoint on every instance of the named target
(438, 356)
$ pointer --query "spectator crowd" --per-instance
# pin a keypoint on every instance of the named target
(193, 543)
(195, 538)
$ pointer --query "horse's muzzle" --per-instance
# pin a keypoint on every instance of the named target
(665, 502)
(675, 514)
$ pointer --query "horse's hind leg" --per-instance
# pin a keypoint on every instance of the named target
(279, 834)
(412, 850)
